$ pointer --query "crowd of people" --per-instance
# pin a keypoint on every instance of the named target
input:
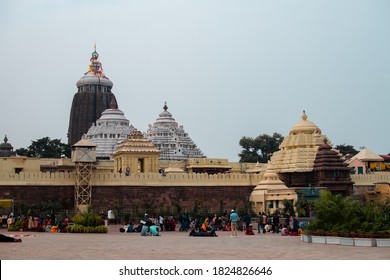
(210, 225)
(48, 223)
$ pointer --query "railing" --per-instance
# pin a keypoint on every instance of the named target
(371, 178)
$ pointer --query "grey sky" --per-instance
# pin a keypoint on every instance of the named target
(227, 69)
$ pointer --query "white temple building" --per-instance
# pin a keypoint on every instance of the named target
(109, 131)
(171, 139)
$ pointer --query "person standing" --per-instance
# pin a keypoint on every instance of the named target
(260, 225)
(265, 222)
(161, 222)
(233, 222)
(247, 220)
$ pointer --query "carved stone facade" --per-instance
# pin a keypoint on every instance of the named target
(171, 139)
(110, 130)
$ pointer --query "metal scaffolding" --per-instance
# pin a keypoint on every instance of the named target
(83, 189)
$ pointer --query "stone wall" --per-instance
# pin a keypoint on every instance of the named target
(135, 200)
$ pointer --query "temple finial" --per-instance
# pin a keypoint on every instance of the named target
(304, 116)
(165, 106)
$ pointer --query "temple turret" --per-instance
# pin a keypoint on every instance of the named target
(93, 97)
(331, 172)
(295, 159)
(171, 139)
(111, 129)
(6, 149)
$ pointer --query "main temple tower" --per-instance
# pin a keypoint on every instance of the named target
(92, 98)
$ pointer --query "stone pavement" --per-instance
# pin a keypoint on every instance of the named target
(177, 246)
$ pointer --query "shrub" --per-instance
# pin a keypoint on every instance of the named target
(87, 223)
(346, 216)
(87, 219)
(17, 226)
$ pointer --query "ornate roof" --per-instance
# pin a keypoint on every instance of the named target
(328, 159)
(6, 149)
(298, 150)
(270, 179)
(109, 131)
(367, 155)
(6, 146)
(84, 142)
(171, 139)
(136, 143)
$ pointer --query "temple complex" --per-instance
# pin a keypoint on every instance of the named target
(116, 165)
(306, 159)
(93, 97)
(136, 155)
(109, 131)
(6, 149)
(171, 139)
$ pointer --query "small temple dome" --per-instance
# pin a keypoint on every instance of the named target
(305, 126)
(111, 129)
(166, 117)
(270, 191)
(90, 79)
(6, 149)
(6, 146)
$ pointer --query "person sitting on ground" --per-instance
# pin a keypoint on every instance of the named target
(130, 227)
(54, 229)
(202, 233)
(249, 230)
(5, 238)
(154, 230)
(285, 230)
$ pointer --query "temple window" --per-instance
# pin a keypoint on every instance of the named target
(18, 170)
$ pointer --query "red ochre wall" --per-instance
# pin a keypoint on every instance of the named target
(133, 199)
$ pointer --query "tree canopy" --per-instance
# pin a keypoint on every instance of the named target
(259, 149)
(45, 148)
(346, 149)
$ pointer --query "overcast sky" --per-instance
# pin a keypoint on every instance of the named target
(226, 69)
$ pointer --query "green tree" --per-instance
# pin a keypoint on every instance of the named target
(45, 148)
(259, 149)
(346, 149)
(288, 207)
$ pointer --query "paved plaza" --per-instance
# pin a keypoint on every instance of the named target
(177, 246)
